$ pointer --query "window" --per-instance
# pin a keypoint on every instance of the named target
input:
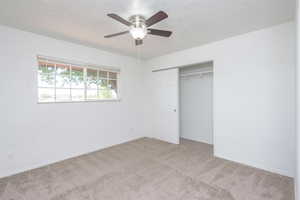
(63, 82)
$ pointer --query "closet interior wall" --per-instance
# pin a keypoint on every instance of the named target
(196, 102)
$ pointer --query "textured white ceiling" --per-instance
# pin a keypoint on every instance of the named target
(193, 22)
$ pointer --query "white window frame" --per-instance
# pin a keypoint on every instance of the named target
(85, 66)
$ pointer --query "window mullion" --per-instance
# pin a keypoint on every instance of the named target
(118, 88)
(70, 68)
(98, 81)
(107, 79)
(85, 84)
(55, 82)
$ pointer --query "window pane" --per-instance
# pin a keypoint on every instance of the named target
(46, 94)
(46, 80)
(112, 75)
(102, 84)
(91, 79)
(62, 76)
(77, 80)
(46, 76)
(102, 74)
(45, 67)
(114, 94)
(77, 94)
(63, 95)
(112, 84)
(91, 94)
(104, 94)
(107, 94)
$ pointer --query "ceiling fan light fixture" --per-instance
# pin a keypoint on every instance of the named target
(138, 32)
(138, 28)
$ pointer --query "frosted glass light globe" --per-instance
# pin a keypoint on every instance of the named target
(138, 33)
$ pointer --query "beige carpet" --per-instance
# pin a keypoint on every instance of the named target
(147, 169)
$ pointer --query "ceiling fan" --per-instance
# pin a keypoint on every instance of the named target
(139, 26)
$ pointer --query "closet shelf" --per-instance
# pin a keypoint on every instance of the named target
(195, 73)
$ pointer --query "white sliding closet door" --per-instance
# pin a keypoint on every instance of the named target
(166, 97)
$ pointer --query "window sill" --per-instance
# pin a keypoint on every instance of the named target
(87, 101)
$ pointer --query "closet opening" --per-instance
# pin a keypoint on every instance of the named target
(196, 102)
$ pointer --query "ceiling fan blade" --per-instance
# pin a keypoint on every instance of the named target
(159, 32)
(138, 42)
(161, 15)
(116, 34)
(119, 19)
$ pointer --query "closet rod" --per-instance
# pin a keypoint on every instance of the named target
(196, 73)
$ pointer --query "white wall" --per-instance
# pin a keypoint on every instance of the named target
(31, 134)
(196, 101)
(254, 95)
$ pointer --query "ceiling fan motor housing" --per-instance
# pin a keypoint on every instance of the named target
(137, 20)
